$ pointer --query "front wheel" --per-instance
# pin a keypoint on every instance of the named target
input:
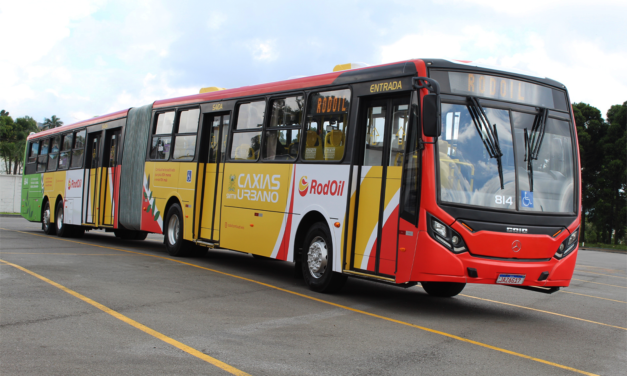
(173, 232)
(317, 264)
(48, 227)
(443, 289)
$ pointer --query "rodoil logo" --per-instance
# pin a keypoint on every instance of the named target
(331, 187)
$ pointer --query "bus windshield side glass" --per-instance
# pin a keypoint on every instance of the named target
(468, 175)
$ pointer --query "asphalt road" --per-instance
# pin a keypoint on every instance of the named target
(104, 306)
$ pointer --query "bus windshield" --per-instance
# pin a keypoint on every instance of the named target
(542, 181)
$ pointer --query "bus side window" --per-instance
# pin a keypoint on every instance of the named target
(66, 151)
(246, 140)
(162, 139)
(283, 133)
(33, 152)
(185, 138)
(53, 155)
(326, 126)
(42, 160)
(79, 149)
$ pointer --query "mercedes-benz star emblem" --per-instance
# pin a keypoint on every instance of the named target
(516, 246)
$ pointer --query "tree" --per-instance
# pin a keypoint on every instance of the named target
(13, 136)
(53, 122)
(614, 171)
(590, 129)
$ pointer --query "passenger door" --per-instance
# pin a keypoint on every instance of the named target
(110, 179)
(383, 124)
(214, 151)
(92, 181)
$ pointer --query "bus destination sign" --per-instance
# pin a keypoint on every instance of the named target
(500, 88)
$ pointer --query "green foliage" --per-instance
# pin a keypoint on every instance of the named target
(603, 152)
(53, 122)
(13, 136)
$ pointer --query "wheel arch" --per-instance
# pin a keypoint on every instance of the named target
(43, 206)
(174, 199)
(303, 227)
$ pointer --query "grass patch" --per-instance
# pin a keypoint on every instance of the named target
(618, 247)
(10, 213)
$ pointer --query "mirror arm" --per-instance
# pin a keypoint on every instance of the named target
(426, 83)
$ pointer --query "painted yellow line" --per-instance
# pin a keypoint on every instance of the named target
(601, 267)
(135, 324)
(62, 254)
(592, 296)
(606, 275)
(543, 311)
(598, 283)
(462, 339)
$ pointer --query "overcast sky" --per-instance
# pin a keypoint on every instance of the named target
(79, 59)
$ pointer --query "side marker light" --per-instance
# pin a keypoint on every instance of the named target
(337, 224)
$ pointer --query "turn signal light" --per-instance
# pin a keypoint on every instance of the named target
(337, 224)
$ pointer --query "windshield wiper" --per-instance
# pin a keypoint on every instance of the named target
(534, 142)
(487, 132)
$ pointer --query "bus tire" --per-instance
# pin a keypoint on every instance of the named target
(317, 264)
(62, 229)
(443, 289)
(49, 228)
(173, 232)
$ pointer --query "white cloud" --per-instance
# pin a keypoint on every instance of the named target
(525, 8)
(264, 50)
(591, 74)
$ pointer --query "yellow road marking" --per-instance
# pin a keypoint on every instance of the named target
(601, 267)
(543, 311)
(462, 339)
(135, 324)
(592, 296)
(598, 283)
(62, 254)
(607, 275)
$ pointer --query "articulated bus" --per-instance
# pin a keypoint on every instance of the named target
(425, 171)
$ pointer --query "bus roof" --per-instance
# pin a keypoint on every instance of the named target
(407, 67)
(94, 120)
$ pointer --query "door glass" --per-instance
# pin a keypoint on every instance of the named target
(400, 117)
(225, 136)
(375, 134)
(213, 143)
(94, 152)
(112, 153)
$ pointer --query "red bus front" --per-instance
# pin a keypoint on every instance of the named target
(500, 200)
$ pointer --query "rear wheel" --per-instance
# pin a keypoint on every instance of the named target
(173, 232)
(63, 230)
(48, 227)
(443, 289)
(317, 264)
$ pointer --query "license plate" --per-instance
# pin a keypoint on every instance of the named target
(511, 279)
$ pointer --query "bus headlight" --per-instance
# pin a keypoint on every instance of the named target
(568, 245)
(445, 235)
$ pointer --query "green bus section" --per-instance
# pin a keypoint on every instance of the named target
(32, 194)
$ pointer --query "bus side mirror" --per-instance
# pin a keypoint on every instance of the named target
(431, 117)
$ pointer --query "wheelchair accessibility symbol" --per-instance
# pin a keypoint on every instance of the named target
(526, 199)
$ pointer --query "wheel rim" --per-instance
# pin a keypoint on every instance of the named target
(317, 257)
(173, 229)
(47, 217)
(60, 221)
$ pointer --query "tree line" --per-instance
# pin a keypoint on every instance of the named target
(13, 134)
(603, 153)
